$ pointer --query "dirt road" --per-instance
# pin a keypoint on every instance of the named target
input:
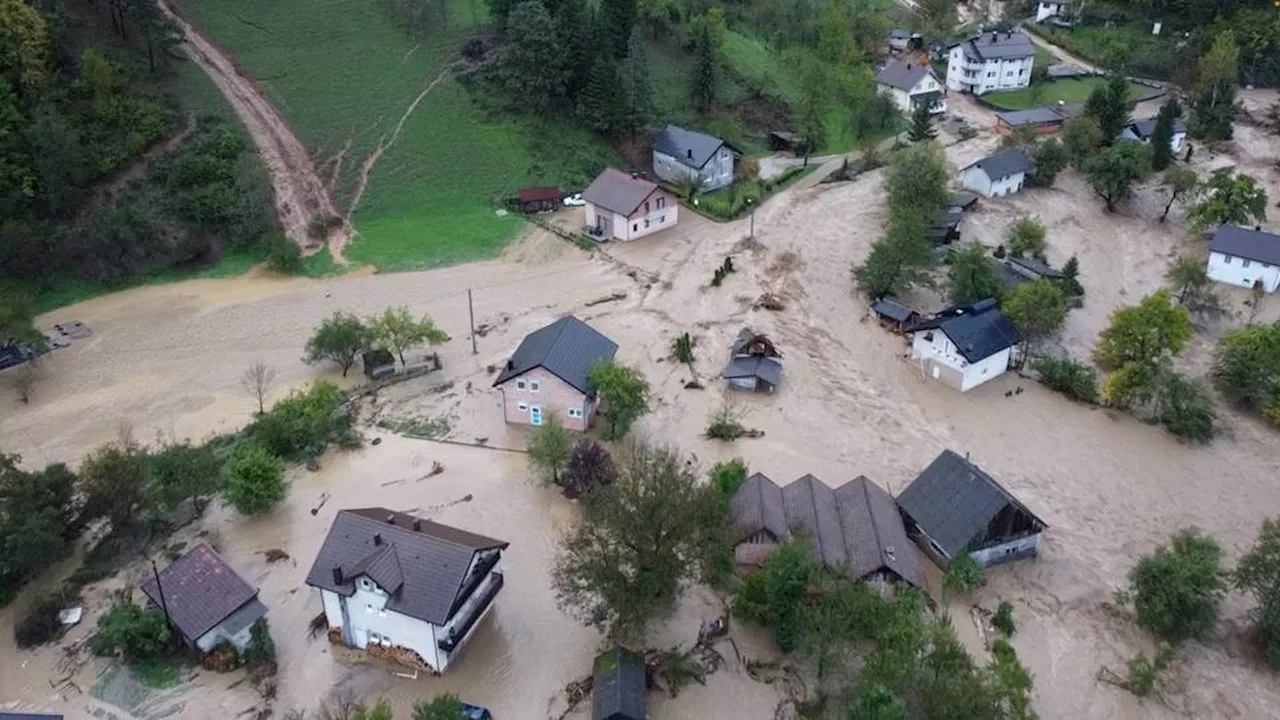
(301, 196)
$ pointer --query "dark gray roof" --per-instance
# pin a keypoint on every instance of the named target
(1005, 163)
(567, 348)
(992, 45)
(1007, 276)
(1144, 128)
(433, 560)
(618, 686)
(978, 330)
(855, 525)
(617, 191)
(1049, 114)
(1245, 243)
(200, 591)
(892, 309)
(953, 501)
(874, 535)
(28, 716)
(757, 505)
(758, 366)
(1037, 267)
(900, 34)
(902, 74)
(963, 199)
(247, 615)
(686, 146)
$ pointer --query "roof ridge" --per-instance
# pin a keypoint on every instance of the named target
(990, 479)
(422, 532)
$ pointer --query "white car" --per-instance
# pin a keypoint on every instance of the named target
(575, 200)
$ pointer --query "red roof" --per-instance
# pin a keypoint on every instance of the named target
(539, 194)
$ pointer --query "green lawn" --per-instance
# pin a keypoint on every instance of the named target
(1044, 58)
(1133, 46)
(1052, 91)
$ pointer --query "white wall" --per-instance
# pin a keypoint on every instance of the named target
(1009, 74)
(944, 352)
(412, 633)
(641, 224)
(1007, 552)
(717, 173)
(900, 98)
(240, 640)
(976, 179)
(1047, 10)
(1232, 271)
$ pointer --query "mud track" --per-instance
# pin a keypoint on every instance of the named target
(301, 196)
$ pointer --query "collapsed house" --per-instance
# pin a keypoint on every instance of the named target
(754, 362)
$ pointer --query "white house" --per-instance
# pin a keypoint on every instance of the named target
(966, 345)
(680, 154)
(1046, 10)
(404, 588)
(955, 507)
(910, 85)
(991, 61)
(624, 207)
(1142, 130)
(1244, 257)
(1000, 174)
(205, 600)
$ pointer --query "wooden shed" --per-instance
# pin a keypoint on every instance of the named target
(540, 199)
(893, 315)
(620, 681)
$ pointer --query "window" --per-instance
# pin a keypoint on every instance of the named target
(661, 203)
(382, 611)
(368, 608)
(662, 218)
(646, 222)
(374, 638)
(635, 227)
(520, 385)
(575, 412)
(1266, 266)
(534, 386)
(1244, 263)
(1226, 259)
(991, 74)
(523, 407)
(646, 207)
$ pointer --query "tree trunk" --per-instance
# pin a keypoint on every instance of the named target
(151, 55)
(1167, 206)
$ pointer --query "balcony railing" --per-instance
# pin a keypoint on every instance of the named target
(460, 630)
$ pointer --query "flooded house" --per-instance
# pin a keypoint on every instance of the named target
(954, 507)
(622, 206)
(1245, 257)
(1003, 173)
(855, 526)
(549, 372)
(965, 345)
(205, 600)
(754, 363)
(403, 588)
(619, 684)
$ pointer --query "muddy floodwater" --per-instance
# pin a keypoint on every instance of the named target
(167, 361)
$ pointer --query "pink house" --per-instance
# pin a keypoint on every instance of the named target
(548, 373)
(627, 207)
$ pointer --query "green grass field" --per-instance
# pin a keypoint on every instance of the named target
(1133, 46)
(1053, 91)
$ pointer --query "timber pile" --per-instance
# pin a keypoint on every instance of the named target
(769, 301)
(752, 344)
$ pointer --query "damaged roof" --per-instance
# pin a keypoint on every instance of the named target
(424, 563)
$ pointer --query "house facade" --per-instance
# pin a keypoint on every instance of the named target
(625, 207)
(955, 507)
(1142, 130)
(1046, 10)
(991, 61)
(1001, 174)
(403, 588)
(1244, 257)
(206, 601)
(966, 345)
(680, 155)
(549, 373)
(911, 85)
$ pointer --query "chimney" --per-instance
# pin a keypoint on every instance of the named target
(511, 365)
(1257, 228)
(635, 175)
(377, 539)
(888, 552)
(417, 524)
(995, 36)
(689, 153)
(391, 519)
(337, 575)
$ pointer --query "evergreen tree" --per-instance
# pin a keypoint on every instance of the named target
(533, 64)
(921, 125)
(571, 16)
(1108, 105)
(702, 89)
(637, 89)
(602, 105)
(617, 20)
(1213, 104)
(1162, 137)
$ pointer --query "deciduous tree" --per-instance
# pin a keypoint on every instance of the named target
(639, 542)
(1213, 102)
(549, 447)
(897, 261)
(916, 180)
(256, 381)
(1113, 172)
(1048, 158)
(971, 276)
(1155, 328)
(1176, 590)
(443, 707)
(1246, 365)
(24, 44)
(1180, 183)
(132, 632)
(590, 466)
(1228, 198)
(1258, 574)
(1026, 237)
(340, 339)
(395, 330)
(1189, 280)
(1108, 106)
(1038, 309)
(114, 479)
(624, 393)
(41, 520)
(1081, 137)
(183, 471)
(256, 483)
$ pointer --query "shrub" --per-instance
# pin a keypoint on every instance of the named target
(725, 424)
(728, 476)
(963, 575)
(130, 631)
(261, 649)
(1176, 590)
(590, 466)
(303, 423)
(1027, 237)
(682, 348)
(1144, 674)
(283, 255)
(256, 483)
(1073, 379)
(1003, 619)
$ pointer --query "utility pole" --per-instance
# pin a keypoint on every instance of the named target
(753, 217)
(160, 591)
(471, 311)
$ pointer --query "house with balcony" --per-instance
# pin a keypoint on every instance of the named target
(406, 589)
(622, 206)
(911, 85)
(991, 60)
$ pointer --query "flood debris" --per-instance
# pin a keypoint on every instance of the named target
(769, 301)
(275, 555)
(611, 297)
(324, 498)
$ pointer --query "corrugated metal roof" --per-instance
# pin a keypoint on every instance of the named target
(618, 191)
(1247, 243)
(567, 348)
(200, 591)
(953, 501)
(687, 146)
(433, 559)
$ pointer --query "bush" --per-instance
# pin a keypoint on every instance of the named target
(590, 466)
(682, 349)
(1027, 237)
(1003, 619)
(727, 477)
(725, 424)
(283, 255)
(963, 575)
(132, 632)
(261, 650)
(303, 423)
(1176, 590)
(256, 483)
(1073, 379)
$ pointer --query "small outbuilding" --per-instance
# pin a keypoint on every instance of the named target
(539, 199)
(206, 601)
(754, 363)
(619, 684)
(893, 315)
(1033, 269)
(784, 141)
(963, 201)
(946, 227)
(1046, 120)
(1003, 173)
(954, 507)
(1143, 130)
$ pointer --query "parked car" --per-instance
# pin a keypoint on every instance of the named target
(475, 712)
(574, 200)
